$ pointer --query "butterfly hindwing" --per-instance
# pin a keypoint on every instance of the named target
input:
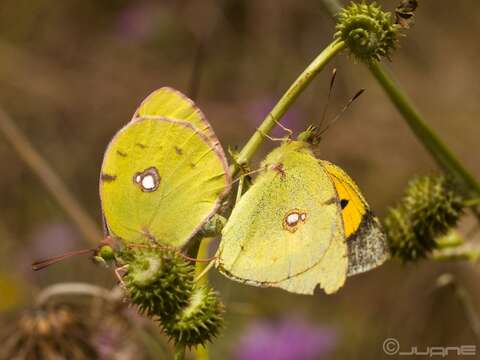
(161, 179)
(367, 247)
(286, 230)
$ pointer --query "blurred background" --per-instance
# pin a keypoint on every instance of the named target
(72, 73)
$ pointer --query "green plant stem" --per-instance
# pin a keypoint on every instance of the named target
(431, 141)
(437, 149)
(451, 240)
(472, 255)
(286, 101)
(50, 179)
(179, 352)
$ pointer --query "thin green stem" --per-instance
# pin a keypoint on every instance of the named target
(179, 351)
(431, 141)
(472, 255)
(286, 101)
(472, 202)
(52, 182)
(451, 240)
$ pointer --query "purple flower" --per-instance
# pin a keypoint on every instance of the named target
(288, 339)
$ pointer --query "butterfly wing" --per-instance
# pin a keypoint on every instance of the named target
(170, 103)
(367, 247)
(285, 225)
(161, 179)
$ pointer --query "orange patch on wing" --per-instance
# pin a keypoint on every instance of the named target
(355, 205)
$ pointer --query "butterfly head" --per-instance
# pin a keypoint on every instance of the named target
(312, 135)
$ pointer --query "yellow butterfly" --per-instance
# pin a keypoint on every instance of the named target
(302, 223)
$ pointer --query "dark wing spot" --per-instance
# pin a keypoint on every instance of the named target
(178, 150)
(107, 177)
(343, 203)
(193, 166)
(279, 169)
(122, 154)
(141, 146)
(331, 201)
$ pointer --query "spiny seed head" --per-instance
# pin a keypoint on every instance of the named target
(429, 208)
(402, 241)
(433, 205)
(158, 281)
(369, 32)
(199, 321)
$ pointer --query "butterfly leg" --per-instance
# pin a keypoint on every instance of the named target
(270, 137)
(206, 270)
(120, 272)
(284, 128)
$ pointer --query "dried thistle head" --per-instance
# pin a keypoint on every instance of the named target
(53, 332)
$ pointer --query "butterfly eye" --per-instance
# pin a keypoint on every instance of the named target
(148, 180)
(343, 203)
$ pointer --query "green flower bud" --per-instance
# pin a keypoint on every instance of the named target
(199, 321)
(428, 210)
(159, 281)
(369, 32)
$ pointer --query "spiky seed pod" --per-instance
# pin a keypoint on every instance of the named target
(55, 332)
(369, 32)
(429, 208)
(159, 281)
(433, 206)
(401, 239)
(199, 321)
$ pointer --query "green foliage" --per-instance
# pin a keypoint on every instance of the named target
(369, 32)
(429, 208)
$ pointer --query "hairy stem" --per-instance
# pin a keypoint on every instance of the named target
(286, 101)
(49, 178)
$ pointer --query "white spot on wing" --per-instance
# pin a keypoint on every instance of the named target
(292, 219)
(148, 182)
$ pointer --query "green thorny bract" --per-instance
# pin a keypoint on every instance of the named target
(369, 32)
(160, 282)
(429, 208)
(199, 321)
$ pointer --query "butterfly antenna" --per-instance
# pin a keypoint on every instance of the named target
(345, 108)
(330, 90)
(42, 264)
